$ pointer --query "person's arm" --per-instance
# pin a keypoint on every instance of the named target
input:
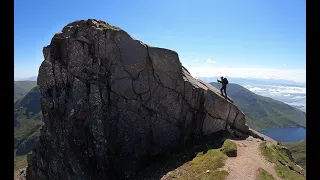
(219, 81)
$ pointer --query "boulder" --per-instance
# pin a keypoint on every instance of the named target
(110, 102)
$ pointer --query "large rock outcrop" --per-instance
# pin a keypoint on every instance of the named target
(110, 102)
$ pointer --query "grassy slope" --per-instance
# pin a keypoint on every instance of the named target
(264, 175)
(298, 150)
(192, 161)
(21, 88)
(206, 165)
(209, 159)
(276, 155)
(27, 123)
(263, 112)
(203, 166)
(19, 161)
(27, 113)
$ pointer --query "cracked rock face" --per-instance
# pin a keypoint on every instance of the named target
(110, 102)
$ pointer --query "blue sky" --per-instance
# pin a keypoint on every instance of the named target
(249, 38)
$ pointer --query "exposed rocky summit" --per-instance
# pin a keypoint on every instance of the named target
(110, 102)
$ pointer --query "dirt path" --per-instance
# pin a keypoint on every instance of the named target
(20, 174)
(249, 159)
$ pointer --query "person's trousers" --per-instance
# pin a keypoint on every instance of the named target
(225, 91)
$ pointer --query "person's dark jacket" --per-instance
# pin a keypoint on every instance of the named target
(223, 82)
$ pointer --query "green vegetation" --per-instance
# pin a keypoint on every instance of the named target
(198, 159)
(229, 148)
(27, 124)
(204, 165)
(264, 175)
(107, 27)
(298, 150)
(19, 161)
(285, 168)
(263, 112)
(27, 115)
(21, 88)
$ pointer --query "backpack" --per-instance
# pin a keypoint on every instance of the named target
(226, 81)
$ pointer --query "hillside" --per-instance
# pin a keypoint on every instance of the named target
(226, 159)
(27, 123)
(298, 150)
(21, 88)
(221, 157)
(263, 112)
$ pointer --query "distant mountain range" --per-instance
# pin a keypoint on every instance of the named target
(264, 112)
(32, 78)
(256, 81)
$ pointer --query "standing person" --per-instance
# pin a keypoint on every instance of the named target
(224, 82)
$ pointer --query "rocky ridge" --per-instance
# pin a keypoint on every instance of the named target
(110, 102)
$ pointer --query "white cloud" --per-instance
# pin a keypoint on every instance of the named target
(299, 97)
(210, 61)
(295, 96)
(298, 75)
(256, 89)
(289, 90)
(278, 89)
